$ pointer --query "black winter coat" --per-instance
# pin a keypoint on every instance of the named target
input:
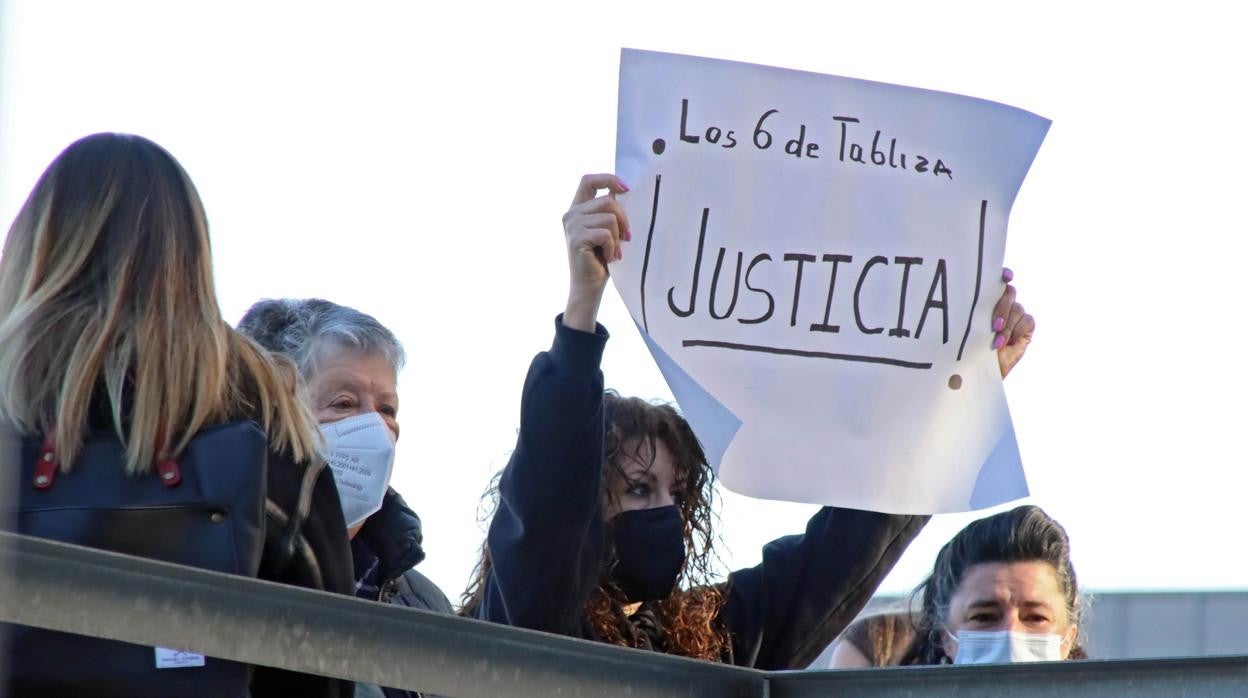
(389, 546)
(546, 540)
(305, 544)
(317, 556)
(393, 538)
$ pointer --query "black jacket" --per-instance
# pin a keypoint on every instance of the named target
(305, 545)
(393, 537)
(546, 540)
(386, 550)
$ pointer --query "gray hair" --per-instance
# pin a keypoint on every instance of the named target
(296, 326)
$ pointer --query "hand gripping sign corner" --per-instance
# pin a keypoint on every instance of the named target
(820, 257)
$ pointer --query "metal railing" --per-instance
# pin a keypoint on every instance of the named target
(91, 592)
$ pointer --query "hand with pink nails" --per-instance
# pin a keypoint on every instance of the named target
(1012, 326)
(595, 228)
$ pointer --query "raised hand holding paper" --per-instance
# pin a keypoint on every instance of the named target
(815, 266)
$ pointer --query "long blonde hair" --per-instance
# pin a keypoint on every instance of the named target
(107, 306)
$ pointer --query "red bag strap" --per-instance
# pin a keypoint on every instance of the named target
(49, 464)
(170, 473)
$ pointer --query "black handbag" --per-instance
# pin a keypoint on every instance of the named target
(206, 509)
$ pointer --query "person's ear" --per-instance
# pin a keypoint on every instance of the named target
(949, 643)
(1068, 640)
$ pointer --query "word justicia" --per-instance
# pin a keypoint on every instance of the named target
(845, 277)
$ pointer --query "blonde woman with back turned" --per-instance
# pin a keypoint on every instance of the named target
(117, 368)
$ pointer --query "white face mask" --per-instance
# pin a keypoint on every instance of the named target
(360, 452)
(1005, 647)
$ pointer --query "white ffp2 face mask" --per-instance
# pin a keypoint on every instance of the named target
(360, 452)
(1005, 647)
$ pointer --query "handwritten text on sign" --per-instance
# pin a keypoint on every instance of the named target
(820, 263)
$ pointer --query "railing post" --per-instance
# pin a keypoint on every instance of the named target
(1207, 677)
(92, 592)
(102, 594)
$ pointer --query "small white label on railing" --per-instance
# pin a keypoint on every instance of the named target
(177, 659)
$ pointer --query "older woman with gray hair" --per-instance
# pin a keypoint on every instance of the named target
(350, 363)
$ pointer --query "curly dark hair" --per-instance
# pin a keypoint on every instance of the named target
(688, 616)
(1023, 534)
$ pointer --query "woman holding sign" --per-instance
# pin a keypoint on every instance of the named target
(603, 524)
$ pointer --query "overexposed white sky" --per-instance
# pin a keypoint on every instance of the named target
(413, 160)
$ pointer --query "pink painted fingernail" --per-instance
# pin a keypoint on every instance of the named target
(998, 324)
(1007, 274)
(998, 342)
(628, 234)
(624, 185)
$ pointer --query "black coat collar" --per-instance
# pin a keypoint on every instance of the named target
(394, 535)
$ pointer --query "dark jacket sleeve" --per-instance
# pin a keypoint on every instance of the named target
(415, 590)
(784, 611)
(305, 545)
(545, 540)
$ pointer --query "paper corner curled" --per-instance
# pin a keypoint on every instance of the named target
(713, 423)
(1001, 478)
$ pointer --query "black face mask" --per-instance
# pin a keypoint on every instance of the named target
(650, 549)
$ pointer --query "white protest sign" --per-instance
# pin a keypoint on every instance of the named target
(814, 265)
